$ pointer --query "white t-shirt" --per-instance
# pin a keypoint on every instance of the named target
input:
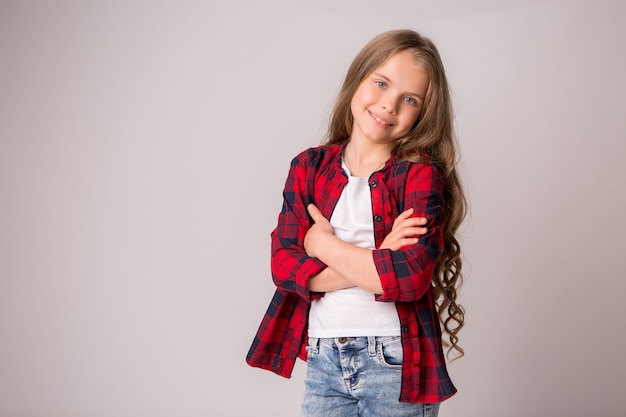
(353, 312)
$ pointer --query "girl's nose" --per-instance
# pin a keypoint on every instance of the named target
(390, 105)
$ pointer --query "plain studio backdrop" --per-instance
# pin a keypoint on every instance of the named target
(143, 150)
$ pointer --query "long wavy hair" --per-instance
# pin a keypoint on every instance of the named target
(432, 139)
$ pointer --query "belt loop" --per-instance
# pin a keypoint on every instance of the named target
(371, 345)
(314, 343)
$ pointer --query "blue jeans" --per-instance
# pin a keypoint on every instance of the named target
(357, 376)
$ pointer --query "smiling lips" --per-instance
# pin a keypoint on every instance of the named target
(380, 121)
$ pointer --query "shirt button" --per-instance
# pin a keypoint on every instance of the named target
(373, 184)
(404, 329)
(377, 218)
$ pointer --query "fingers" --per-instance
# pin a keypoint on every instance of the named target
(410, 232)
(403, 216)
(397, 243)
(407, 241)
(415, 231)
(315, 213)
(405, 220)
(406, 231)
(414, 222)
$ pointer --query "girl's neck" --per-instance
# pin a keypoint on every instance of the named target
(362, 161)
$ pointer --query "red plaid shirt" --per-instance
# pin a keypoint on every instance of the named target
(316, 176)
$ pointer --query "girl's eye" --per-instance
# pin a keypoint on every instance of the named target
(410, 100)
(380, 84)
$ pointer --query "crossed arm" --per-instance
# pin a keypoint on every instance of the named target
(350, 265)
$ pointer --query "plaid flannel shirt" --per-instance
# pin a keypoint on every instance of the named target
(316, 176)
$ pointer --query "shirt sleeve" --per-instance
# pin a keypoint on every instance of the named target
(291, 266)
(406, 274)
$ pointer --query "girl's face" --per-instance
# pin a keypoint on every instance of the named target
(387, 103)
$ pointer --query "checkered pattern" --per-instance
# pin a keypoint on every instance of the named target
(316, 176)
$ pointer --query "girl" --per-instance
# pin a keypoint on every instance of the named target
(364, 255)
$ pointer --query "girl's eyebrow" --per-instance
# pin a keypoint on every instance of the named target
(391, 82)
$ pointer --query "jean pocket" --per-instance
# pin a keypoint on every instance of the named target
(389, 352)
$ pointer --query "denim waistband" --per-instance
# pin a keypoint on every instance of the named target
(351, 342)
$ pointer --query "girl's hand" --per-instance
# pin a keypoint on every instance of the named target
(320, 228)
(405, 231)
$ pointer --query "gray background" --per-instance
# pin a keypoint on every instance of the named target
(144, 145)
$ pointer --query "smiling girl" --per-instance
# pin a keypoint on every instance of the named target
(364, 256)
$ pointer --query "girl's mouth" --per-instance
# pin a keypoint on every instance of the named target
(380, 121)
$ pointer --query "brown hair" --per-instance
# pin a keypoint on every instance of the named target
(431, 139)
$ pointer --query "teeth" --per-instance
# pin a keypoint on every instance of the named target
(379, 120)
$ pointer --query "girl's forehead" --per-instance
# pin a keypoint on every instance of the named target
(404, 70)
(405, 59)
